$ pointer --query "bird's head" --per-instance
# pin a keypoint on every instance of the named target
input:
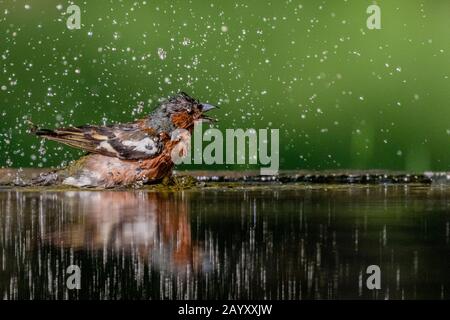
(184, 110)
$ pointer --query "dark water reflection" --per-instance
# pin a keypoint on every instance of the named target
(298, 243)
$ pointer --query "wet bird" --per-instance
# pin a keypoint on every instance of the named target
(126, 154)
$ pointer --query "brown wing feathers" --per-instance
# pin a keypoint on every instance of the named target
(127, 142)
(74, 137)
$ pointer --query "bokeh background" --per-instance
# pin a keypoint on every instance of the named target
(343, 96)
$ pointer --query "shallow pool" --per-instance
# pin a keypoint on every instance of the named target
(271, 242)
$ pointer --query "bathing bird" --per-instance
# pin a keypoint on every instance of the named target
(130, 153)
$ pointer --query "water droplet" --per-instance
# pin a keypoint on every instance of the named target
(162, 54)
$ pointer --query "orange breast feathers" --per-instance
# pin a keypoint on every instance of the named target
(183, 120)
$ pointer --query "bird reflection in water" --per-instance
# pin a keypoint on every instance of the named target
(153, 226)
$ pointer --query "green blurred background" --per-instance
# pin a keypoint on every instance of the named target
(343, 96)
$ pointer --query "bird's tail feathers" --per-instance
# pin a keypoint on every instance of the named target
(73, 137)
(44, 132)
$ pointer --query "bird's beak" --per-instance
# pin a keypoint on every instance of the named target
(205, 108)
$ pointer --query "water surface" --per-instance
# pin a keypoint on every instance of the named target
(298, 242)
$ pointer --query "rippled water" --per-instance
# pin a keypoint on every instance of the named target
(275, 243)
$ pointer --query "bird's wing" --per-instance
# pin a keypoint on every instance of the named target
(126, 141)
